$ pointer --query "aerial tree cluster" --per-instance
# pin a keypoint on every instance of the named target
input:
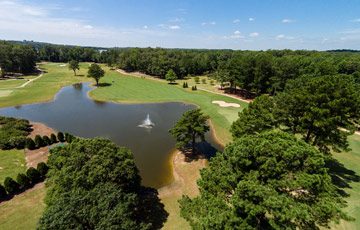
(95, 184)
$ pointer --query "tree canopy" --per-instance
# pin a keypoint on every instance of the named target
(271, 180)
(74, 65)
(171, 76)
(191, 126)
(96, 72)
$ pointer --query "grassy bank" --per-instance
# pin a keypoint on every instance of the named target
(44, 88)
(12, 162)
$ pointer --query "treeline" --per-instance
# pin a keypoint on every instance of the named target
(256, 71)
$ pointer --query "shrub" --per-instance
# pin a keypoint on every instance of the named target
(66, 137)
(11, 186)
(184, 85)
(23, 180)
(42, 168)
(53, 138)
(30, 144)
(211, 82)
(197, 79)
(17, 142)
(60, 136)
(2, 192)
(39, 141)
(33, 174)
(203, 81)
(46, 140)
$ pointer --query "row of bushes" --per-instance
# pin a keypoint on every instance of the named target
(23, 181)
(39, 141)
(13, 132)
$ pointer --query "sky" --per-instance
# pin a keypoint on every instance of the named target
(226, 24)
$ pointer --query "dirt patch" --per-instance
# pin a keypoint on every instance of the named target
(225, 104)
(40, 129)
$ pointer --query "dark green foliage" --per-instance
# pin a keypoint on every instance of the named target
(171, 76)
(42, 169)
(85, 163)
(95, 72)
(39, 141)
(256, 118)
(13, 132)
(185, 85)
(46, 140)
(316, 109)
(53, 138)
(106, 206)
(3, 192)
(30, 144)
(74, 65)
(11, 186)
(191, 126)
(66, 137)
(34, 175)
(60, 136)
(194, 88)
(203, 81)
(23, 180)
(267, 181)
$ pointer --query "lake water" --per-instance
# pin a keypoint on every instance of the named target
(73, 112)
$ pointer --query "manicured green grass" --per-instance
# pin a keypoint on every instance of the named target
(128, 89)
(11, 83)
(44, 88)
(12, 162)
(351, 161)
(23, 212)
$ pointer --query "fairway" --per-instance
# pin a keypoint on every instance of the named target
(11, 83)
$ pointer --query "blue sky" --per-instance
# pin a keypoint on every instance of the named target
(240, 24)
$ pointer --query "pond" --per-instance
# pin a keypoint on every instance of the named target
(74, 112)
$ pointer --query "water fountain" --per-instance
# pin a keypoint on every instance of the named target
(147, 123)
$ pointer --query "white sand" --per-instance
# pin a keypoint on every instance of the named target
(224, 104)
(62, 65)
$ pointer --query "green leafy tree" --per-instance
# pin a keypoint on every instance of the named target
(191, 126)
(86, 163)
(203, 81)
(39, 141)
(11, 186)
(171, 76)
(42, 168)
(74, 65)
(53, 138)
(30, 144)
(96, 72)
(23, 180)
(34, 175)
(256, 118)
(320, 110)
(267, 181)
(46, 140)
(106, 206)
(60, 136)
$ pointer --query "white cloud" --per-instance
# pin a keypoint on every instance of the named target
(354, 31)
(255, 34)
(174, 27)
(354, 37)
(236, 21)
(356, 20)
(237, 32)
(233, 36)
(281, 36)
(176, 20)
(88, 27)
(251, 19)
(286, 20)
(208, 23)
(324, 40)
(145, 27)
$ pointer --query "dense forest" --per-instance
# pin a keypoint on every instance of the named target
(252, 71)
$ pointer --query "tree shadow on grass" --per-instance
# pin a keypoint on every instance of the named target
(341, 176)
(103, 84)
(79, 75)
(151, 210)
(204, 150)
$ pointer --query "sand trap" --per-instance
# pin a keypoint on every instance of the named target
(62, 65)
(224, 104)
(4, 93)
